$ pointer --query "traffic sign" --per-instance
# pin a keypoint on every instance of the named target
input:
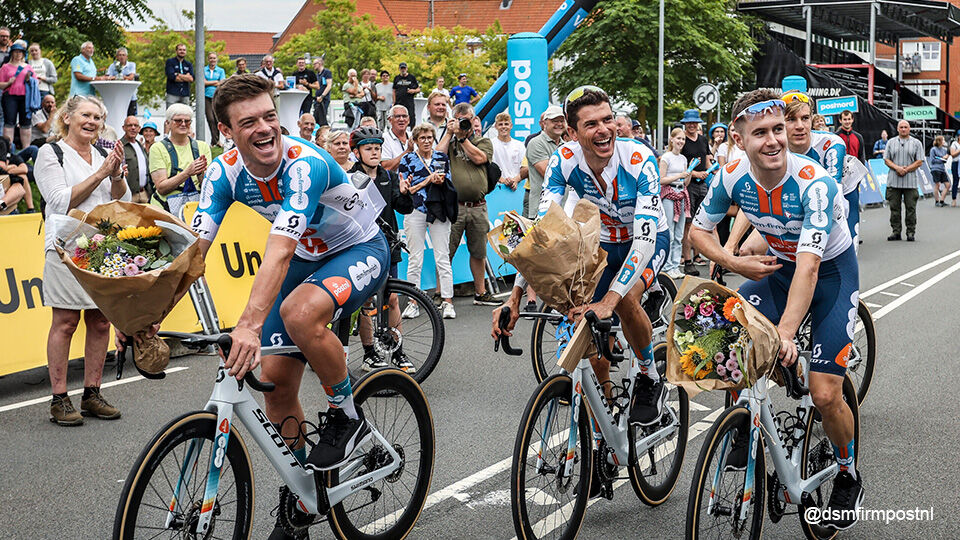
(920, 113)
(706, 97)
(837, 105)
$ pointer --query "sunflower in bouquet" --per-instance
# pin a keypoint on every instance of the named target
(117, 252)
(710, 340)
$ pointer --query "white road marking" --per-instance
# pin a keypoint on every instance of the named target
(888, 293)
(915, 291)
(905, 284)
(46, 399)
(871, 305)
(910, 274)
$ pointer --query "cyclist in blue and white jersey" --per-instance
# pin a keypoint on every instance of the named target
(324, 256)
(800, 211)
(621, 177)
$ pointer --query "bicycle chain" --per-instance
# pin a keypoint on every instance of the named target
(292, 520)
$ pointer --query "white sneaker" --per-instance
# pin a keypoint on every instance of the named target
(412, 311)
(675, 273)
(447, 310)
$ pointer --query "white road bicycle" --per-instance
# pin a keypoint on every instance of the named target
(730, 503)
(556, 449)
(195, 479)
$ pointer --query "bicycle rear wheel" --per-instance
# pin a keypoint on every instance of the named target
(148, 495)
(543, 504)
(818, 455)
(544, 345)
(860, 367)
(656, 472)
(722, 518)
(421, 338)
(395, 405)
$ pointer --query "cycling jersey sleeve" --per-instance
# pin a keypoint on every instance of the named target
(555, 186)
(818, 218)
(833, 161)
(215, 199)
(715, 205)
(645, 223)
(305, 180)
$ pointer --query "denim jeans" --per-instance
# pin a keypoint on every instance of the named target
(676, 237)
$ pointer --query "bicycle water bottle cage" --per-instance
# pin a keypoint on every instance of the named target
(503, 322)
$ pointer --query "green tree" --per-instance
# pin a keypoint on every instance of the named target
(447, 52)
(345, 39)
(616, 48)
(62, 25)
(151, 50)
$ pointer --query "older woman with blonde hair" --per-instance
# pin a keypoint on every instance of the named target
(73, 174)
(337, 142)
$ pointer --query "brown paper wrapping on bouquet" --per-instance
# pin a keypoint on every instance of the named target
(561, 256)
(134, 303)
(761, 360)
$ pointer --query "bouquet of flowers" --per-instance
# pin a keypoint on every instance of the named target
(716, 340)
(515, 227)
(136, 262)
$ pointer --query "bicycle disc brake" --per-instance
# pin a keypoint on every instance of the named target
(292, 520)
(389, 341)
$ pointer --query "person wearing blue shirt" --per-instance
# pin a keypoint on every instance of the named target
(82, 71)
(213, 75)
(880, 145)
(126, 71)
(463, 93)
(179, 73)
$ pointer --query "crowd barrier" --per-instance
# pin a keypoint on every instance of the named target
(879, 170)
(232, 263)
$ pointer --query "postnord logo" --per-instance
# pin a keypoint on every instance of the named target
(230, 158)
(294, 152)
(340, 288)
(807, 172)
(636, 158)
(732, 166)
(566, 153)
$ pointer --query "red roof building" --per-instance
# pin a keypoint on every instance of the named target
(404, 15)
(236, 43)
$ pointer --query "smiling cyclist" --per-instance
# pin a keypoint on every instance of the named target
(324, 256)
(799, 210)
(621, 177)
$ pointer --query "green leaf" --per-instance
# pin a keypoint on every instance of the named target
(156, 264)
(164, 248)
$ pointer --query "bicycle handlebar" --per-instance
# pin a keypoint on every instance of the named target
(122, 359)
(795, 389)
(601, 335)
(503, 322)
(224, 342)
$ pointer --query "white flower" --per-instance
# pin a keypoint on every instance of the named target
(83, 242)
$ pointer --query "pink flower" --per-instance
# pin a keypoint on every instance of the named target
(736, 375)
(140, 261)
(718, 358)
(721, 371)
(689, 311)
(732, 364)
(97, 238)
(131, 270)
(706, 309)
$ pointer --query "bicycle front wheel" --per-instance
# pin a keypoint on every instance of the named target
(656, 472)
(163, 494)
(864, 356)
(421, 339)
(395, 405)
(545, 502)
(715, 503)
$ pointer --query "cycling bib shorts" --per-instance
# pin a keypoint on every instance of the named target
(616, 257)
(833, 308)
(349, 277)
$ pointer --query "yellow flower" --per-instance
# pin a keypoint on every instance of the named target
(690, 358)
(139, 232)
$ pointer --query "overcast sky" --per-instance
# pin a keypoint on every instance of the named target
(249, 15)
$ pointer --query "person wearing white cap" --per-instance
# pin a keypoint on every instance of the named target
(539, 150)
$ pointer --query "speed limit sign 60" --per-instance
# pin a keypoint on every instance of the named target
(706, 97)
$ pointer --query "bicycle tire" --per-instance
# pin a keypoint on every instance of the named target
(386, 386)
(731, 419)
(650, 494)
(815, 458)
(862, 373)
(191, 426)
(425, 359)
(550, 391)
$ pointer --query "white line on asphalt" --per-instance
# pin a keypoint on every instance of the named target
(905, 284)
(46, 399)
(888, 293)
(870, 305)
(910, 274)
(915, 291)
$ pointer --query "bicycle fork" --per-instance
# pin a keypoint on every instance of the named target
(749, 481)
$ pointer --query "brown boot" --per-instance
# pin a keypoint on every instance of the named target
(62, 412)
(95, 405)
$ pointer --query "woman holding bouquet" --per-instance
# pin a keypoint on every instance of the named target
(72, 173)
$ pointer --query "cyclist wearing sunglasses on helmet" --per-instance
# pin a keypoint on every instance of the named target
(799, 209)
(621, 177)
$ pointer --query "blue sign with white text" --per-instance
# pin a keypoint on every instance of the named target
(837, 105)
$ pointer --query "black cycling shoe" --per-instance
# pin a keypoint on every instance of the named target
(844, 502)
(648, 398)
(737, 456)
(339, 436)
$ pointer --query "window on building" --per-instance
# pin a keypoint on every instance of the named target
(924, 55)
(928, 89)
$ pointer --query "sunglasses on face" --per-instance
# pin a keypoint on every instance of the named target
(770, 106)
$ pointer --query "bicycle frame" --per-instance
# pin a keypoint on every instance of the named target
(787, 465)
(231, 399)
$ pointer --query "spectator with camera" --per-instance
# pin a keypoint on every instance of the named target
(469, 155)
(124, 70)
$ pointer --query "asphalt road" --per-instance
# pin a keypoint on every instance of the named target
(65, 482)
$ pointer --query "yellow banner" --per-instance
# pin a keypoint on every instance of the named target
(232, 262)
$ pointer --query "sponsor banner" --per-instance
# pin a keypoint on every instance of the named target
(880, 171)
(870, 186)
(837, 105)
(528, 88)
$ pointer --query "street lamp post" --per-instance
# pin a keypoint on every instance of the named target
(198, 81)
(660, 128)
